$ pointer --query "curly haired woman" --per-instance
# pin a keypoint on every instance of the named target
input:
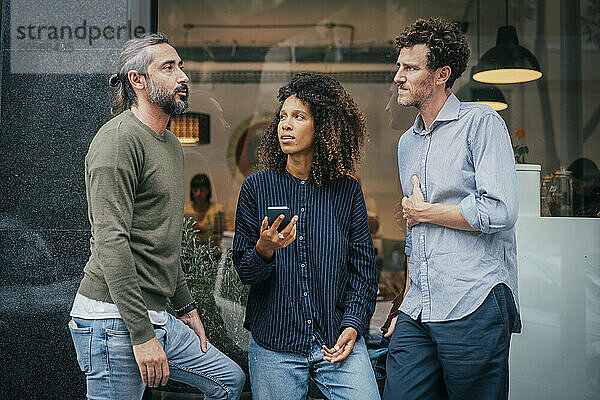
(314, 284)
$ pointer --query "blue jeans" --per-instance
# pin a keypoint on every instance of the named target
(105, 354)
(277, 375)
(463, 359)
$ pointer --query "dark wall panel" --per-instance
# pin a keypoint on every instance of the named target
(52, 103)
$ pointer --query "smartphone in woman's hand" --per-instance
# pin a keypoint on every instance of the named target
(276, 211)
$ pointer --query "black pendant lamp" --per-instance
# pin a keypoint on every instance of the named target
(507, 62)
(476, 92)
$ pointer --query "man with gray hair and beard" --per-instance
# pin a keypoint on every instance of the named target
(123, 335)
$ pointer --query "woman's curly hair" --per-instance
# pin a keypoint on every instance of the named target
(447, 44)
(339, 128)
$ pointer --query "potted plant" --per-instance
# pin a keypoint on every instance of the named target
(200, 262)
(520, 149)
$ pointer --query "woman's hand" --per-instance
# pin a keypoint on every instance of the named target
(342, 348)
(270, 239)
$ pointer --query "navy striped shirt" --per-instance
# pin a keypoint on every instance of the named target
(324, 281)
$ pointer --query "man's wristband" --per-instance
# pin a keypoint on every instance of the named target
(185, 309)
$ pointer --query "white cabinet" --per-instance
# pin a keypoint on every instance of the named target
(557, 356)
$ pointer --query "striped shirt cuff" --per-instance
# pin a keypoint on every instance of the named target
(262, 265)
(470, 212)
(351, 321)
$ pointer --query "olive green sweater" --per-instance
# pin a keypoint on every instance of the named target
(135, 192)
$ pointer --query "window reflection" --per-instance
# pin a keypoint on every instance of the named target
(209, 216)
(237, 59)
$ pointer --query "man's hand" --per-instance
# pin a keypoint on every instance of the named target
(415, 210)
(192, 319)
(152, 362)
(270, 239)
(342, 348)
(399, 215)
(390, 330)
(414, 206)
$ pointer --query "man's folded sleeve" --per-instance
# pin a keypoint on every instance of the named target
(494, 205)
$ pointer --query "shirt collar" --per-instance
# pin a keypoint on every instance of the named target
(296, 179)
(449, 112)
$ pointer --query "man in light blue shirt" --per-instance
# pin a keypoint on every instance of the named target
(452, 334)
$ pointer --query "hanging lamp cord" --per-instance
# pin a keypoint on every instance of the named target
(478, 32)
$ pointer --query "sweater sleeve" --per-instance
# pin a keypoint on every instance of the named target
(182, 296)
(112, 178)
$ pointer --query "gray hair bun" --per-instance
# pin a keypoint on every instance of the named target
(114, 80)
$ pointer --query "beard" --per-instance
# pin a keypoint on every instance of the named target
(166, 101)
(418, 94)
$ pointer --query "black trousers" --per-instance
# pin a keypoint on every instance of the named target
(462, 359)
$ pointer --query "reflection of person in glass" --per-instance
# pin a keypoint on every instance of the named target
(313, 285)
(396, 117)
(394, 110)
(586, 188)
(209, 216)
(452, 335)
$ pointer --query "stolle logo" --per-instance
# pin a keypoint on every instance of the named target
(65, 37)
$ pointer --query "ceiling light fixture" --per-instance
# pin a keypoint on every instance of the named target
(485, 93)
(507, 62)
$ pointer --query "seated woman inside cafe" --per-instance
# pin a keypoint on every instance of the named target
(211, 220)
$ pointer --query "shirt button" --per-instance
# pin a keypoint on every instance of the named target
(308, 321)
(422, 237)
(424, 264)
(305, 294)
(301, 238)
(303, 265)
(302, 182)
(302, 209)
(423, 161)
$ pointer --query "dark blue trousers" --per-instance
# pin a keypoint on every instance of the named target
(462, 359)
